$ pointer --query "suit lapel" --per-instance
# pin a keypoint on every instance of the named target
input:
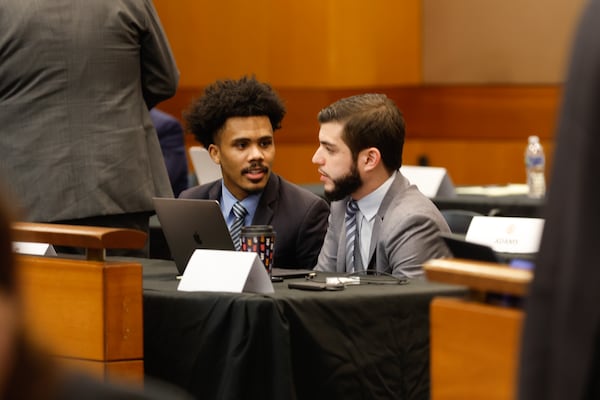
(375, 236)
(397, 186)
(215, 192)
(268, 202)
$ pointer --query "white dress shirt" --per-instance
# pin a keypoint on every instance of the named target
(365, 217)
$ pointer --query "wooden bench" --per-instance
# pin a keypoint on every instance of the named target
(475, 344)
(88, 311)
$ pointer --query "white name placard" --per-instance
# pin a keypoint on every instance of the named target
(35, 249)
(507, 234)
(431, 181)
(225, 271)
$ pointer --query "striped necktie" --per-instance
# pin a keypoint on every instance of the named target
(351, 209)
(240, 213)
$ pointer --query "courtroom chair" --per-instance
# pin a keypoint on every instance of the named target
(87, 311)
(204, 167)
(475, 343)
(459, 220)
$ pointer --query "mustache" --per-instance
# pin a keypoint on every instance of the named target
(255, 166)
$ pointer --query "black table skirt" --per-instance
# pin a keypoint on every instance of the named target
(365, 342)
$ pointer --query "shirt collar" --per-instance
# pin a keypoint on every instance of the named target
(228, 200)
(369, 205)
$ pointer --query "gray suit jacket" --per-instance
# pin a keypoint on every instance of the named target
(77, 79)
(405, 233)
(298, 217)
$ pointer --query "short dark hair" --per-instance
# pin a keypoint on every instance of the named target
(224, 99)
(370, 120)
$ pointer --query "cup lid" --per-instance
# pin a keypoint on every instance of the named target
(258, 229)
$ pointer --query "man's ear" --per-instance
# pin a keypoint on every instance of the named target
(213, 151)
(371, 158)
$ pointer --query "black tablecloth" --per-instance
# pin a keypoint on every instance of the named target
(365, 342)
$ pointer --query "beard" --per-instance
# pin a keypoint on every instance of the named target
(345, 186)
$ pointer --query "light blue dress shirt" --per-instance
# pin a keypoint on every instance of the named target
(228, 200)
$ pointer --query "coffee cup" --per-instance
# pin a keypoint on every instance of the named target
(261, 240)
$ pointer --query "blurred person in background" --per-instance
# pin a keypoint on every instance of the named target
(560, 348)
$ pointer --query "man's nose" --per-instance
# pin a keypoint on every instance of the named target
(316, 158)
(256, 153)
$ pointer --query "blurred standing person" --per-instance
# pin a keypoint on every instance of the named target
(560, 350)
(77, 144)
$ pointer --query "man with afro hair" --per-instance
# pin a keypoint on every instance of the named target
(235, 121)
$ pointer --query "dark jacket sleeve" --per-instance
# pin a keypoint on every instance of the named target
(312, 233)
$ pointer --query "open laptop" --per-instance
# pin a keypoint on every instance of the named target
(461, 248)
(192, 224)
(199, 224)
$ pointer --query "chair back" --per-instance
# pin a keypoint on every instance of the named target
(204, 167)
(459, 220)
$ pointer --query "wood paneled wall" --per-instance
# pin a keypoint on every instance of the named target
(497, 41)
(478, 133)
(310, 43)
(436, 59)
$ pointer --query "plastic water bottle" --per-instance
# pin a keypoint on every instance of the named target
(535, 162)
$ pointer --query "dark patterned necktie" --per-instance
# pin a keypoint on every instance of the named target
(240, 213)
(351, 209)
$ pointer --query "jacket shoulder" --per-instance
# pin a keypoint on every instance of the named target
(210, 190)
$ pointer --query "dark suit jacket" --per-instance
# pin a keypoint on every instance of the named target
(298, 216)
(172, 144)
(561, 343)
(76, 82)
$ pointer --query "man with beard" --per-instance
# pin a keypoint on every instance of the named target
(235, 121)
(378, 221)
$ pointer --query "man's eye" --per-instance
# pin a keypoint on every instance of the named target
(266, 143)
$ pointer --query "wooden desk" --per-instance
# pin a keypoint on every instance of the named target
(474, 344)
(87, 311)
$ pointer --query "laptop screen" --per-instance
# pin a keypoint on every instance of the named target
(192, 224)
(460, 248)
